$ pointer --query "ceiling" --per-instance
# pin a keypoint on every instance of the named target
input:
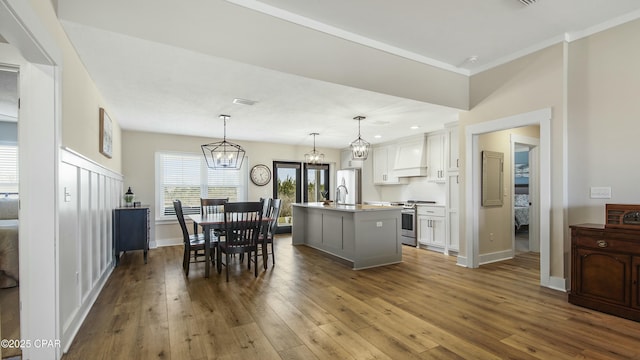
(166, 67)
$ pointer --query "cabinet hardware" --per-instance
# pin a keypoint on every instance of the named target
(602, 243)
(457, 181)
(457, 162)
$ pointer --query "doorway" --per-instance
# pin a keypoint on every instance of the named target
(472, 186)
(525, 193)
(316, 182)
(32, 49)
(287, 177)
(9, 197)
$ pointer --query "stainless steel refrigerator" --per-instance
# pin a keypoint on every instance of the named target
(348, 187)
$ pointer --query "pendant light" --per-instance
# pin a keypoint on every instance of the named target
(314, 157)
(223, 155)
(359, 147)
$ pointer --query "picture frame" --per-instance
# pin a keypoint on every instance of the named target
(106, 134)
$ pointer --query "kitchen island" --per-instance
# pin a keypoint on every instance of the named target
(364, 235)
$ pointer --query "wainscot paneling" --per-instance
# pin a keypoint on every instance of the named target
(88, 193)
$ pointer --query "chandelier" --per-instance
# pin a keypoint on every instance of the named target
(314, 157)
(359, 147)
(223, 154)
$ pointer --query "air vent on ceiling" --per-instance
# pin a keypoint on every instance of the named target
(527, 2)
(243, 101)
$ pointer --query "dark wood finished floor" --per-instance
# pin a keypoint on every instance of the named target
(311, 307)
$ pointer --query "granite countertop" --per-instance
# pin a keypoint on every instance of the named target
(351, 208)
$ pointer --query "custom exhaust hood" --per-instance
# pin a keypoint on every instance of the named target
(411, 157)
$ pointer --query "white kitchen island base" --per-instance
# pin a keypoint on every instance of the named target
(365, 235)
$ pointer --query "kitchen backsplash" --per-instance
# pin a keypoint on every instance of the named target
(418, 188)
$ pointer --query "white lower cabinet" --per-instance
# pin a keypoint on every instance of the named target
(431, 227)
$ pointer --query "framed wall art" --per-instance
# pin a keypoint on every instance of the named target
(106, 134)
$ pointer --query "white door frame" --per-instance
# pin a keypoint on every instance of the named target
(473, 180)
(38, 141)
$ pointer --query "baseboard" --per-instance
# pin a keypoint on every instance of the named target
(495, 257)
(462, 261)
(557, 283)
(81, 314)
(166, 242)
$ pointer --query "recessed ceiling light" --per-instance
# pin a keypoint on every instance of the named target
(377, 136)
(415, 127)
(244, 101)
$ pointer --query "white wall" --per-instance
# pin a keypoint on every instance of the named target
(88, 193)
(60, 105)
(530, 83)
(603, 126)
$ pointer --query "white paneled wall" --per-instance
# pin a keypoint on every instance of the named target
(88, 193)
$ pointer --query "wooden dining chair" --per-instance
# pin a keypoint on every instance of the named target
(212, 206)
(242, 224)
(194, 250)
(266, 237)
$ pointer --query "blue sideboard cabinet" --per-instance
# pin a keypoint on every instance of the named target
(130, 230)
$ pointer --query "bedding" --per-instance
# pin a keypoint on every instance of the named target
(521, 210)
(9, 275)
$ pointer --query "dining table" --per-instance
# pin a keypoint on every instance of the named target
(210, 222)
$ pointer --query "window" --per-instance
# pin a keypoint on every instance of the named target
(316, 182)
(186, 177)
(8, 169)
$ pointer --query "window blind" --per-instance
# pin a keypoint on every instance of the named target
(187, 178)
(9, 169)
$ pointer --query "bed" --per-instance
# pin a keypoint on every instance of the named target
(521, 206)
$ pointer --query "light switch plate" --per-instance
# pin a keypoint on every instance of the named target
(601, 192)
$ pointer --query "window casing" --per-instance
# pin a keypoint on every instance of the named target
(185, 177)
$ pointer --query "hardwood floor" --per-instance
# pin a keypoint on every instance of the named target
(312, 307)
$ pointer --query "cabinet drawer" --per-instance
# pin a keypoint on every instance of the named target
(430, 210)
(606, 243)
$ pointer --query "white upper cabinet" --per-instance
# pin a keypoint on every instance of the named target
(436, 157)
(383, 166)
(346, 162)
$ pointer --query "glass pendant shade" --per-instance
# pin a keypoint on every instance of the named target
(359, 147)
(223, 154)
(314, 157)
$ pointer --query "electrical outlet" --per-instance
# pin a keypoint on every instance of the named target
(379, 224)
(490, 236)
(601, 192)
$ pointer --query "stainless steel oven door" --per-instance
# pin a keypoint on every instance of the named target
(408, 226)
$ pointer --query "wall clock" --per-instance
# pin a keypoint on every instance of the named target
(260, 175)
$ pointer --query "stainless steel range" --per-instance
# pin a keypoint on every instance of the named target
(409, 220)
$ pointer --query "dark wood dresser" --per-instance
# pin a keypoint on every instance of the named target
(605, 268)
(130, 230)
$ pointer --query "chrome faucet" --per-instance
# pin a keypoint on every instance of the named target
(338, 193)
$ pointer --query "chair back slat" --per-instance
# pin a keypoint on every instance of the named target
(274, 213)
(266, 206)
(212, 206)
(242, 222)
